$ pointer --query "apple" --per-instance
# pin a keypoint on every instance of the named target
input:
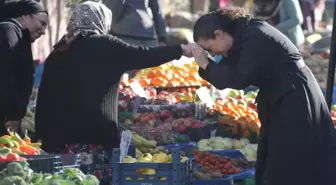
(333, 113)
(151, 122)
(164, 114)
(153, 115)
(181, 128)
(137, 117)
(252, 106)
(333, 108)
(238, 97)
(128, 121)
(233, 93)
(174, 123)
(188, 122)
(251, 94)
(144, 119)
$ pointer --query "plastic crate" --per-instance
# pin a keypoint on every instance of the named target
(204, 132)
(224, 181)
(45, 163)
(70, 160)
(175, 173)
(246, 173)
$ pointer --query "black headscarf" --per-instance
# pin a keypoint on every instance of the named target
(17, 8)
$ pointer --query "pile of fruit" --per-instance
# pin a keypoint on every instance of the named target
(19, 173)
(13, 143)
(239, 110)
(168, 75)
(216, 163)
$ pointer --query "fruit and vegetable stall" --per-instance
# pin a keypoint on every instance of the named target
(177, 130)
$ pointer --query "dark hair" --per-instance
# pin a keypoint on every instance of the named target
(224, 19)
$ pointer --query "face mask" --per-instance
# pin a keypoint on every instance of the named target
(218, 58)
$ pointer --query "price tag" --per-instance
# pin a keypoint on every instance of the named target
(205, 97)
(213, 133)
(137, 89)
(126, 138)
(136, 105)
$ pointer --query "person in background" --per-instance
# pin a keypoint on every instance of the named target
(22, 22)
(84, 90)
(39, 66)
(138, 22)
(297, 142)
(285, 15)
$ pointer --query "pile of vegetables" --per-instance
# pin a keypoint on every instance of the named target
(219, 143)
(216, 163)
(19, 173)
(13, 143)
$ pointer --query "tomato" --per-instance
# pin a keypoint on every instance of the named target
(212, 161)
(211, 166)
(206, 158)
(237, 170)
(227, 165)
(224, 171)
(231, 171)
(3, 158)
(221, 166)
(197, 158)
(12, 157)
(206, 163)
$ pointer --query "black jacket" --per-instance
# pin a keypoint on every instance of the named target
(297, 143)
(77, 101)
(16, 70)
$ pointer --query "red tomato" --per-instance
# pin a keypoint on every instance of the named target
(12, 157)
(224, 171)
(3, 158)
(206, 158)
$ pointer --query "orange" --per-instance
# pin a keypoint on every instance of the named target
(151, 74)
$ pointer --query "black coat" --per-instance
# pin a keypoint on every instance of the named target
(77, 101)
(297, 143)
(16, 71)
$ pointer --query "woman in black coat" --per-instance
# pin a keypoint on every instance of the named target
(77, 102)
(297, 141)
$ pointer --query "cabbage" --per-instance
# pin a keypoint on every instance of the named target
(237, 144)
(245, 141)
(202, 143)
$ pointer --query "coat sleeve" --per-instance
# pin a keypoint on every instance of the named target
(160, 25)
(243, 74)
(293, 10)
(137, 57)
(8, 41)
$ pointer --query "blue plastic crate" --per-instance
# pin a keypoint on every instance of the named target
(174, 173)
(224, 181)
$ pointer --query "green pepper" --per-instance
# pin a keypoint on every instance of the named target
(5, 151)
(7, 142)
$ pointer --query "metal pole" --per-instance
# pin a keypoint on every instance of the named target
(332, 62)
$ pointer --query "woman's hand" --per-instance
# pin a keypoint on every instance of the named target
(200, 56)
(187, 50)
